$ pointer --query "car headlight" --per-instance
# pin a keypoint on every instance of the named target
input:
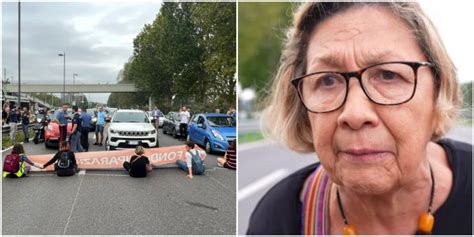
(94, 120)
(112, 131)
(153, 131)
(217, 135)
(38, 120)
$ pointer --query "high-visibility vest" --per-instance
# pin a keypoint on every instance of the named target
(20, 171)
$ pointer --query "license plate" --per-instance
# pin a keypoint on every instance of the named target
(133, 142)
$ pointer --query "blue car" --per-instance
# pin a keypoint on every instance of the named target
(213, 131)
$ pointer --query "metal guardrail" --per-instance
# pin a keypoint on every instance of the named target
(6, 128)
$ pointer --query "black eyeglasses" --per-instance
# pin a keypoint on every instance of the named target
(388, 83)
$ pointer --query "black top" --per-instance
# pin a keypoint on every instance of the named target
(25, 119)
(13, 116)
(71, 156)
(279, 211)
(138, 167)
(78, 121)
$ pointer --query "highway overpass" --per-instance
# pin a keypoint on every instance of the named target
(70, 88)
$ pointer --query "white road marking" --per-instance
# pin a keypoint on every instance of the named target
(261, 183)
(82, 172)
(73, 204)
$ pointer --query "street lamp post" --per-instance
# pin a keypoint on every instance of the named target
(19, 56)
(64, 76)
(74, 75)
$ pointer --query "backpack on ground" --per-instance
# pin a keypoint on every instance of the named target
(64, 162)
(197, 163)
(11, 163)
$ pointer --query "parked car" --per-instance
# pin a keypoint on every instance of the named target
(171, 124)
(51, 132)
(213, 131)
(129, 128)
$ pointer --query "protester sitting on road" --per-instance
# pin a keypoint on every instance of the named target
(139, 164)
(99, 127)
(230, 159)
(14, 163)
(194, 161)
(66, 161)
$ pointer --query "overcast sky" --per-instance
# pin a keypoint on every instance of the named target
(97, 39)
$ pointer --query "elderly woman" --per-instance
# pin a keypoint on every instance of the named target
(370, 88)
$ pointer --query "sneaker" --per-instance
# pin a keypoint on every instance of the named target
(96, 144)
(100, 144)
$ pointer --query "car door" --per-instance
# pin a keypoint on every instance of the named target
(192, 128)
(201, 129)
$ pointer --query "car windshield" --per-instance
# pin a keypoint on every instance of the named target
(221, 121)
(39, 116)
(130, 117)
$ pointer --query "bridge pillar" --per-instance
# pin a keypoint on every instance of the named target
(151, 103)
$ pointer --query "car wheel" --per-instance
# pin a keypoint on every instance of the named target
(157, 141)
(46, 144)
(207, 144)
(164, 131)
(188, 138)
(175, 135)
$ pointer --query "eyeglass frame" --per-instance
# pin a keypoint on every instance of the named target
(358, 74)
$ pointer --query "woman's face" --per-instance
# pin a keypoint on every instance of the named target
(366, 147)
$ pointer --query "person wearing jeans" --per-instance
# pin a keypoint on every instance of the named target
(86, 118)
(187, 166)
(12, 121)
(25, 122)
(76, 131)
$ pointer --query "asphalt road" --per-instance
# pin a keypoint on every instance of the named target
(111, 202)
(262, 164)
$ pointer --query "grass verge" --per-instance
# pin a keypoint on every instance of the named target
(250, 137)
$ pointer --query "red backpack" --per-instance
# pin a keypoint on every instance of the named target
(11, 163)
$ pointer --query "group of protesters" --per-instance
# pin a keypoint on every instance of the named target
(65, 163)
(12, 116)
(79, 136)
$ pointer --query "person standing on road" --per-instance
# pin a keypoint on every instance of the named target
(230, 158)
(76, 131)
(99, 127)
(86, 118)
(25, 122)
(17, 158)
(194, 160)
(13, 119)
(139, 165)
(156, 116)
(183, 126)
(66, 164)
(61, 119)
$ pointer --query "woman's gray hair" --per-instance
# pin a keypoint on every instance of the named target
(290, 123)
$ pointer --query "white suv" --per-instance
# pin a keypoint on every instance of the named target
(129, 128)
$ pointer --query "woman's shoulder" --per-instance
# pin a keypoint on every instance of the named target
(459, 156)
(455, 215)
(279, 211)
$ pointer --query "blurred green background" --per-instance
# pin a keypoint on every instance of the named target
(262, 31)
